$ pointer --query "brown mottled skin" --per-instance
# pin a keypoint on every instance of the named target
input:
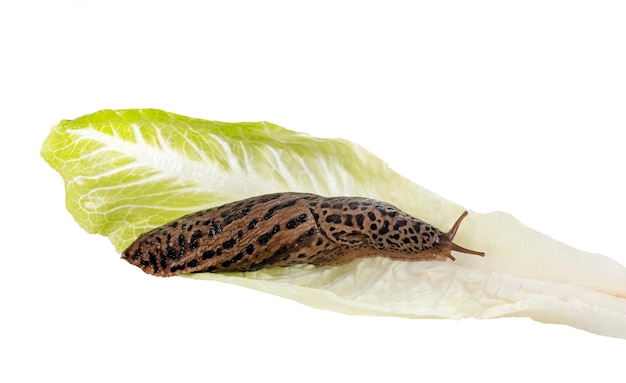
(283, 229)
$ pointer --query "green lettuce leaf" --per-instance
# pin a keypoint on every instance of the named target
(128, 171)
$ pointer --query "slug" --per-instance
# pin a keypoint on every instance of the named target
(283, 229)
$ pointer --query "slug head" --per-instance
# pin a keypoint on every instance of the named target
(444, 248)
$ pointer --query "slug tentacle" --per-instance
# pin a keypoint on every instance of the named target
(447, 244)
(283, 229)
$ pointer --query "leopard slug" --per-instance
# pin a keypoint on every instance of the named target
(283, 229)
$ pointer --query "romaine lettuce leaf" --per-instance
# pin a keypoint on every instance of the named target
(128, 171)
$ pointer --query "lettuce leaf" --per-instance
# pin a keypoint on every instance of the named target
(128, 171)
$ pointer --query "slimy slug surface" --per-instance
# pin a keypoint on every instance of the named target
(284, 229)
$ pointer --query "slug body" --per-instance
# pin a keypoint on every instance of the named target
(283, 229)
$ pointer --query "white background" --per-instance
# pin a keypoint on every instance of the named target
(497, 105)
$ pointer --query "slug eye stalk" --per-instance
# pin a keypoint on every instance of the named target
(448, 246)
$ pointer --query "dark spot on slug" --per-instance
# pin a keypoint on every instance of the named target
(208, 254)
(194, 243)
(176, 268)
(391, 243)
(334, 218)
(264, 238)
(338, 206)
(229, 244)
(417, 227)
(153, 261)
(193, 263)
(249, 249)
(399, 223)
(295, 222)
(252, 224)
(348, 220)
(274, 209)
(359, 220)
(181, 241)
(371, 216)
(234, 259)
(353, 205)
(171, 253)
(214, 229)
(386, 211)
(325, 205)
(373, 227)
(385, 229)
